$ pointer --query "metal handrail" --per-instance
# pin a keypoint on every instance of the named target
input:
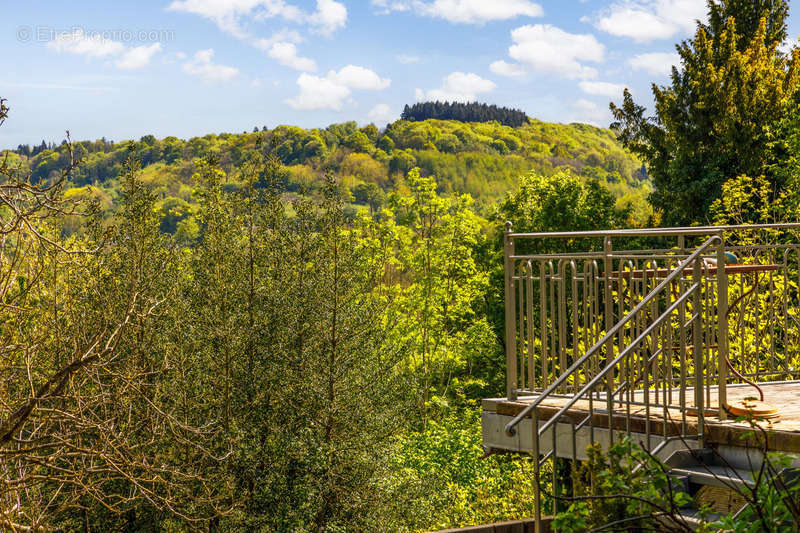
(635, 232)
(624, 353)
(510, 428)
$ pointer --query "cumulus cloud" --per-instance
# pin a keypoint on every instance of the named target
(201, 66)
(382, 113)
(602, 88)
(95, 45)
(329, 17)
(590, 113)
(657, 63)
(284, 36)
(464, 11)
(138, 57)
(649, 20)
(359, 78)
(80, 43)
(506, 69)
(331, 91)
(546, 48)
(231, 15)
(458, 87)
(286, 55)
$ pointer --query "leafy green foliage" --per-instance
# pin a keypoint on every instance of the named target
(481, 159)
(621, 489)
(719, 116)
(447, 486)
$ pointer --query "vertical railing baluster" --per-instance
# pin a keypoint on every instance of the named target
(554, 462)
(521, 275)
(537, 495)
(543, 323)
(722, 327)
(609, 323)
(511, 334)
(562, 318)
(697, 346)
(575, 322)
(529, 322)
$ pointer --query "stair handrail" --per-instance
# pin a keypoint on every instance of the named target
(510, 428)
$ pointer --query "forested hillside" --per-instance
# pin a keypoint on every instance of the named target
(484, 160)
(292, 329)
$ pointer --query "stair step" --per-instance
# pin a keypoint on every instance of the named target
(716, 475)
(690, 517)
(694, 519)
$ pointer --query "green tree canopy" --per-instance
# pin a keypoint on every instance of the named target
(718, 117)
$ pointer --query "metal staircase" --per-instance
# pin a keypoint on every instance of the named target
(634, 341)
(641, 372)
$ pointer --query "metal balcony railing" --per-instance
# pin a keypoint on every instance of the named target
(647, 322)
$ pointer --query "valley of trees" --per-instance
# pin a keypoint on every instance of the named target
(484, 160)
(291, 330)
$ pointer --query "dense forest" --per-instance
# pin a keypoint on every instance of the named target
(292, 330)
(471, 112)
(484, 160)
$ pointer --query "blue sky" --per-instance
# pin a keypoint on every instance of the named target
(190, 67)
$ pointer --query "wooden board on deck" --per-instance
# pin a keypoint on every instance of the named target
(783, 432)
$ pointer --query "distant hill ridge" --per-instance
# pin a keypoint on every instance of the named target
(484, 159)
(465, 112)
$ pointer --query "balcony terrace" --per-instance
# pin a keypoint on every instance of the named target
(668, 336)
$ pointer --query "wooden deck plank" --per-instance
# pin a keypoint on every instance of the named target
(783, 433)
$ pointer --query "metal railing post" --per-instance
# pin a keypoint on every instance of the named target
(608, 267)
(537, 495)
(697, 346)
(722, 327)
(511, 331)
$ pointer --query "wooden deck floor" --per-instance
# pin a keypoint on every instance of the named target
(783, 432)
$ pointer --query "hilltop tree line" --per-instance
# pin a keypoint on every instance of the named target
(464, 112)
(482, 159)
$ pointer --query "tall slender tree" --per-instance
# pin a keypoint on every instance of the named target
(717, 119)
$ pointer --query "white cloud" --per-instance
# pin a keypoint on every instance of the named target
(95, 45)
(331, 91)
(284, 36)
(458, 87)
(382, 113)
(359, 78)
(201, 66)
(546, 48)
(479, 11)
(92, 45)
(649, 20)
(231, 15)
(506, 69)
(602, 88)
(228, 14)
(138, 57)
(329, 17)
(286, 55)
(657, 63)
(464, 11)
(590, 113)
(406, 59)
